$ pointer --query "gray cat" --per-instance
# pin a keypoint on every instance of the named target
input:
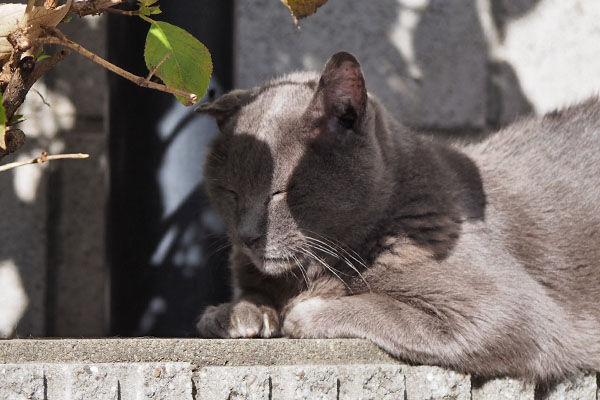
(484, 258)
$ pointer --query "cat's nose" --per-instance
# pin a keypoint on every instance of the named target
(250, 241)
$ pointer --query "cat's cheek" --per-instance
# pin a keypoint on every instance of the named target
(305, 320)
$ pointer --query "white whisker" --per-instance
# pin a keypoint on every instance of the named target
(302, 271)
(331, 250)
(356, 257)
(324, 264)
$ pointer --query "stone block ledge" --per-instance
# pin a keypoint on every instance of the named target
(193, 369)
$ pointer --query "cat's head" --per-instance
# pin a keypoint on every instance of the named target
(298, 167)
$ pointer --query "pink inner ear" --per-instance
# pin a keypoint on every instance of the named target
(349, 83)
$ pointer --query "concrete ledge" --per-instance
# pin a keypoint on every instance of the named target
(199, 352)
(241, 369)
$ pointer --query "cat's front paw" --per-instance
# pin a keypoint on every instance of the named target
(238, 320)
(306, 319)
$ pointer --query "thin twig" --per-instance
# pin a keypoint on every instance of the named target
(50, 4)
(42, 67)
(41, 97)
(28, 10)
(120, 12)
(83, 8)
(43, 158)
(165, 58)
(138, 80)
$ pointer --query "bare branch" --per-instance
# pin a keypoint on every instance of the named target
(138, 80)
(23, 78)
(47, 64)
(15, 139)
(121, 12)
(91, 7)
(17, 87)
(43, 158)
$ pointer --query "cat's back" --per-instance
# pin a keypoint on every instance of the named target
(541, 178)
(559, 148)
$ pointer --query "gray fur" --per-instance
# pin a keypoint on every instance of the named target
(484, 258)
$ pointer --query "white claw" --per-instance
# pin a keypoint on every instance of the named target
(266, 325)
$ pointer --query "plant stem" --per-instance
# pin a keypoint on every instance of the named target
(43, 158)
(83, 8)
(158, 65)
(138, 80)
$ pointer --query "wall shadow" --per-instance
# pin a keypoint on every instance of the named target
(162, 238)
(448, 40)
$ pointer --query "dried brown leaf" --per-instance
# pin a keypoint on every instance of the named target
(12, 17)
(303, 8)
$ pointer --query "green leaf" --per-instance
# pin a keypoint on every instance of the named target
(2, 125)
(15, 119)
(41, 56)
(154, 10)
(67, 19)
(146, 8)
(181, 61)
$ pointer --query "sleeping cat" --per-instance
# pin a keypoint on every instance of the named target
(484, 258)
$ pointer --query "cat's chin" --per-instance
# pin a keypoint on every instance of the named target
(276, 266)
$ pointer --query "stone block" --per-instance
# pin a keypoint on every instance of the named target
(377, 382)
(23, 196)
(22, 382)
(553, 47)
(118, 380)
(82, 381)
(305, 382)
(425, 59)
(77, 266)
(252, 383)
(502, 389)
(582, 387)
(166, 380)
(85, 83)
(429, 383)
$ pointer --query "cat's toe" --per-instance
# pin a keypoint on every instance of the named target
(213, 322)
(249, 320)
(239, 320)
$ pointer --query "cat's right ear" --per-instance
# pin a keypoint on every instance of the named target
(341, 93)
(227, 105)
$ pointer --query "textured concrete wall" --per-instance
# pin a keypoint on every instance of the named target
(457, 65)
(449, 65)
(183, 380)
(52, 268)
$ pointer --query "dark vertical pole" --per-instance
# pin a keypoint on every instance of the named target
(162, 236)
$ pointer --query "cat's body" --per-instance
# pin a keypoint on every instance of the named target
(484, 258)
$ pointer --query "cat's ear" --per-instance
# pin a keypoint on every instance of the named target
(341, 92)
(225, 106)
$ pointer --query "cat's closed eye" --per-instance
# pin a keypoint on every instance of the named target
(276, 195)
(228, 192)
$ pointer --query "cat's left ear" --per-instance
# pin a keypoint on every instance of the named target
(225, 106)
(341, 92)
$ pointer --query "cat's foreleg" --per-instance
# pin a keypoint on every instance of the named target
(407, 332)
